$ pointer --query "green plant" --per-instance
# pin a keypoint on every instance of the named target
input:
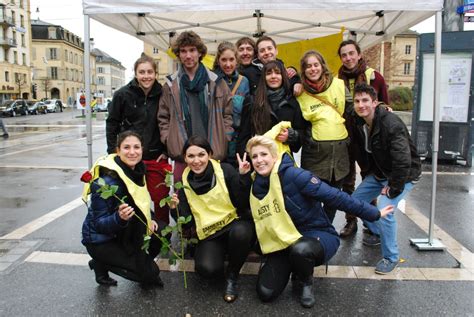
(401, 98)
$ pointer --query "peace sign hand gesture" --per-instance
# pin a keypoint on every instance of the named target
(244, 166)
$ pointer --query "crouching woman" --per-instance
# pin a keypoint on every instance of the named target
(212, 196)
(112, 233)
(293, 231)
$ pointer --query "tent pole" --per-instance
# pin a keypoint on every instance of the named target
(87, 83)
(431, 243)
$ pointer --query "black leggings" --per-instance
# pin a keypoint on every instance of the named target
(236, 242)
(300, 258)
(136, 266)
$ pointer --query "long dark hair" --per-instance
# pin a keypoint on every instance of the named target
(261, 120)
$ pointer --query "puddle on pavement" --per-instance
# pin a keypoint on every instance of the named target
(14, 202)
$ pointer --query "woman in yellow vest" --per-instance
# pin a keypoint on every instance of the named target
(293, 231)
(111, 232)
(220, 213)
(325, 102)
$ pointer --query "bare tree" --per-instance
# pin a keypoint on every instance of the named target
(20, 82)
(45, 85)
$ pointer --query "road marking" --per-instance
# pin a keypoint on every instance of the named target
(456, 249)
(46, 167)
(48, 145)
(251, 268)
(40, 222)
(451, 173)
(51, 126)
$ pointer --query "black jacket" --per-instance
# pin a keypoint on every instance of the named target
(289, 111)
(130, 109)
(394, 156)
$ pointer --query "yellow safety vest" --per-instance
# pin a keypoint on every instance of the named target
(140, 194)
(275, 131)
(274, 227)
(214, 210)
(327, 123)
(368, 74)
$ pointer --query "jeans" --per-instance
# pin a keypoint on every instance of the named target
(370, 189)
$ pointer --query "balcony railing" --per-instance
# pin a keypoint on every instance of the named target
(6, 21)
(8, 42)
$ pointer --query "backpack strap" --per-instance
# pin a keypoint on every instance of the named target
(237, 84)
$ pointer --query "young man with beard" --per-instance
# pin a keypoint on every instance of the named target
(393, 167)
(194, 102)
(354, 70)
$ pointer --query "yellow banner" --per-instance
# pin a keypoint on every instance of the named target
(291, 53)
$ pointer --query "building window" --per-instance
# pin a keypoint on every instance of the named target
(23, 57)
(14, 37)
(54, 73)
(15, 57)
(52, 33)
(65, 55)
(17, 77)
(7, 76)
(53, 53)
(22, 21)
(406, 68)
(13, 17)
(155, 50)
(100, 70)
(23, 43)
(101, 80)
(407, 49)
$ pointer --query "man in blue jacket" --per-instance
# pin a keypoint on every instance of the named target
(394, 166)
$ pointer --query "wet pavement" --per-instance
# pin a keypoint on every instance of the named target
(43, 264)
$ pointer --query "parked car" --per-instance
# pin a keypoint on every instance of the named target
(36, 107)
(54, 105)
(13, 108)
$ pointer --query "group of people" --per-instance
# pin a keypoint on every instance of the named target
(242, 186)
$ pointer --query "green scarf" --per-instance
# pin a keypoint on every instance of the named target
(197, 85)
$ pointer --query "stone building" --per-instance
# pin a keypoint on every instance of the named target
(57, 58)
(165, 64)
(15, 40)
(395, 59)
(110, 73)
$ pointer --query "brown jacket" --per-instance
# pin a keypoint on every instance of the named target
(170, 117)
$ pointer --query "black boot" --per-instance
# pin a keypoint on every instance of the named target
(307, 299)
(101, 274)
(231, 291)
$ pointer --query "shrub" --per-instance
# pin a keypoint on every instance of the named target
(401, 99)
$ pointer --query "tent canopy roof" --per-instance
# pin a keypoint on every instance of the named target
(154, 21)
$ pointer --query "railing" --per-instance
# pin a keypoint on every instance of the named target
(8, 42)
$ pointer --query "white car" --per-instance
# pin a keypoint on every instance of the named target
(54, 105)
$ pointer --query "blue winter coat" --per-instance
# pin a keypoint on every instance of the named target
(102, 222)
(303, 194)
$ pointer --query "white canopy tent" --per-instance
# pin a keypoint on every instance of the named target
(370, 21)
(285, 21)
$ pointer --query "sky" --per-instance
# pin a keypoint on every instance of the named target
(123, 47)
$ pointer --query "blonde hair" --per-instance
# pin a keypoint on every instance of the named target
(264, 141)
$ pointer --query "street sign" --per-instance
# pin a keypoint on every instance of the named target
(82, 100)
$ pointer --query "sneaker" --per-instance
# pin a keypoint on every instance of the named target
(385, 266)
(371, 241)
(5, 135)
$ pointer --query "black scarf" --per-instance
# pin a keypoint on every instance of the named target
(276, 97)
(136, 175)
(202, 183)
